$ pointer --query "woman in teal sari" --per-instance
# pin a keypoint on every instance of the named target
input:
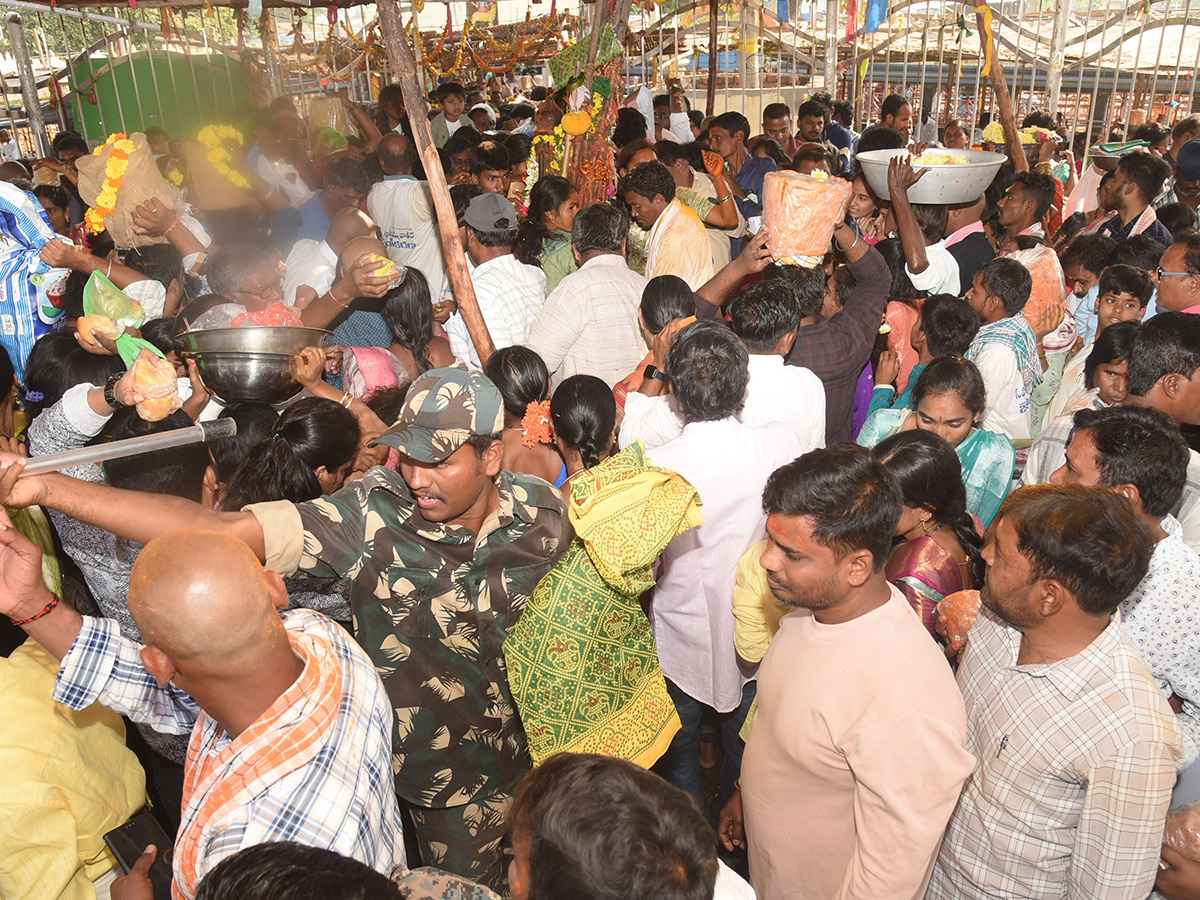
(939, 549)
(949, 400)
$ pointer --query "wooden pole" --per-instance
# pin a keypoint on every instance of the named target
(599, 8)
(1003, 100)
(401, 59)
(710, 101)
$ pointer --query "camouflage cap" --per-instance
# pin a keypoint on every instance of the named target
(444, 409)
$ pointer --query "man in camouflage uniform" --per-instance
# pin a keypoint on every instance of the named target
(442, 558)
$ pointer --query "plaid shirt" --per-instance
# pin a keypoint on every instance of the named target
(838, 348)
(342, 799)
(1076, 762)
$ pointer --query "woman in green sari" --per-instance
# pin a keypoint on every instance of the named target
(949, 400)
(544, 238)
(582, 661)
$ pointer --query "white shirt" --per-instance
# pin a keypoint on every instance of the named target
(510, 296)
(284, 177)
(403, 210)
(10, 152)
(793, 395)
(589, 325)
(1008, 403)
(776, 392)
(313, 263)
(151, 294)
(1162, 615)
(692, 611)
(941, 276)
(1049, 452)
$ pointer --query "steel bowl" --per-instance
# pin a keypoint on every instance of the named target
(250, 364)
(940, 185)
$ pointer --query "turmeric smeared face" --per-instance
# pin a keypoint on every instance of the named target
(800, 571)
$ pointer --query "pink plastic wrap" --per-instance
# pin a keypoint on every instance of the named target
(959, 610)
(1049, 293)
(1183, 831)
(801, 212)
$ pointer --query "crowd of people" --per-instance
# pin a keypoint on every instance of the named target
(671, 595)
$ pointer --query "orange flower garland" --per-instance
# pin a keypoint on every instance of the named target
(535, 426)
(119, 149)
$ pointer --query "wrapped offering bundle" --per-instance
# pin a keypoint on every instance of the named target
(801, 212)
(154, 379)
(959, 610)
(1048, 293)
(1183, 831)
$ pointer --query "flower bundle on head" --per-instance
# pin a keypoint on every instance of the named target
(119, 148)
(535, 426)
(994, 133)
(215, 138)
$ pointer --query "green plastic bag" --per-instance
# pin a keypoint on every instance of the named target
(103, 298)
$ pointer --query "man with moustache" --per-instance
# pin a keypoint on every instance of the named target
(1077, 746)
(856, 756)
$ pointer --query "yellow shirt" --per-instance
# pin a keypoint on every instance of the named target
(757, 612)
(66, 778)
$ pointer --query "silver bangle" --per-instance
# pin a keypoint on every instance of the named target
(857, 238)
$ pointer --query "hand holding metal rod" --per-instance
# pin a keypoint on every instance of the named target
(200, 432)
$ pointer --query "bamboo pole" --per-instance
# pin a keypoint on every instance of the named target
(1003, 100)
(405, 68)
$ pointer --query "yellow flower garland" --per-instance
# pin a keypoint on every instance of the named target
(119, 148)
(215, 138)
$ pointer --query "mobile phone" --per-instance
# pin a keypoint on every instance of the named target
(129, 841)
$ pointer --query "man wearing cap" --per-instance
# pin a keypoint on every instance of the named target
(442, 556)
(510, 294)
(1185, 186)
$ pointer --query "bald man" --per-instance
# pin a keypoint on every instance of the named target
(290, 725)
(403, 208)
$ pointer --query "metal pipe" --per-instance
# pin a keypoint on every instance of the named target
(92, 79)
(76, 14)
(925, 64)
(1187, 15)
(162, 119)
(112, 71)
(1157, 60)
(831, 26)
(137, 91)
(201, 432)
(1096, 84)
(33, 107)
(187, 52)
(1137, 69)
(1079, 83)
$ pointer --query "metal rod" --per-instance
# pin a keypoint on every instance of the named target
(925, 64)
(201, 432)
(108, 52)
(33, 106)
(154, 80)
(187, 52)
(1187, 15)
(1099, 60)
(208, 65)
(92, 80)
(137, 91)
(1157, 60)
(1079, 83)
(76, 14)
(1137, 67)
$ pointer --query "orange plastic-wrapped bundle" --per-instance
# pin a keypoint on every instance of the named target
(275, 314)
(101, 325)
(1049, 292)
(154, 380)
(1183, 831)
(959, 611)
(802, 211)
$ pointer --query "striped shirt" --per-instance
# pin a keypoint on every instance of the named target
(1075, 765)
(342, 799)
(23, 233)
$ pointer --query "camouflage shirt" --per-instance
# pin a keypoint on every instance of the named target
(432, 606)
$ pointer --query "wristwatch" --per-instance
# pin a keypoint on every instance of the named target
(652, 371)
(109, 397)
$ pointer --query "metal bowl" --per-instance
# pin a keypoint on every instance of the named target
(940, 185)
(250, 364)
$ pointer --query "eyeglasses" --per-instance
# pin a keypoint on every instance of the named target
(1162, 274)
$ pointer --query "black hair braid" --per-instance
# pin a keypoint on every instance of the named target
(968, 538)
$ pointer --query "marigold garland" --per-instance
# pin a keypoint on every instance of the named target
(119, 148)
(535, 426)
(215, 138)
